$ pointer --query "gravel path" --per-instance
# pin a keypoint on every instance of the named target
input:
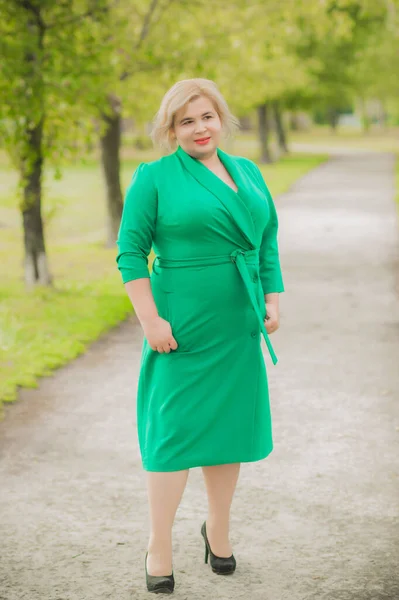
(318, 519)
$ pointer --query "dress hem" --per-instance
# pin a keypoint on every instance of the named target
(197, 464)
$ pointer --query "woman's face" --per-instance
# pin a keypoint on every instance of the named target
(198, 121)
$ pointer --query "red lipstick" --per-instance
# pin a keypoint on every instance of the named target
(202, 141)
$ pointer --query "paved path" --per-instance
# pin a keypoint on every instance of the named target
(317, 520)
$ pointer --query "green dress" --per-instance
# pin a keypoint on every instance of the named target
(206, 403)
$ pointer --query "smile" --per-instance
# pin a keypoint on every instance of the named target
(203, 141)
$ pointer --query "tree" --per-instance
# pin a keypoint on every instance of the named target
(376, 63)
(350, 29)
(264, 67)
(51, 69)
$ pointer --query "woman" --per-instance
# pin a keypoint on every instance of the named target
(202, 398)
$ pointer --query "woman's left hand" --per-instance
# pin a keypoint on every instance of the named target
(272, 322)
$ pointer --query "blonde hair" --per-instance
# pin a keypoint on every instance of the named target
(180, 94)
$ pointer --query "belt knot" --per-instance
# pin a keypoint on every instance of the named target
(246, 254)
(235, 253)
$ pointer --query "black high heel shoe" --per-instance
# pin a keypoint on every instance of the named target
(221, 566)
(162, 584)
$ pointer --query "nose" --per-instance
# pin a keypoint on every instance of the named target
(200, 127)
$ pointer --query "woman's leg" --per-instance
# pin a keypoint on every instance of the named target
(165, 491)
(220, 482)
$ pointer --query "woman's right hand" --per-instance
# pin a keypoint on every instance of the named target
(159, 335)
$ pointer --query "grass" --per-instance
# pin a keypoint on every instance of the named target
(45, 328)
(48, 328)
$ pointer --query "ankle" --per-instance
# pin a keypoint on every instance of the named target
(218, 526)
(160, 550)
(159, 562)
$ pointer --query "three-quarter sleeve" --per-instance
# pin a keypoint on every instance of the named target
(137, 225)
(269, 260)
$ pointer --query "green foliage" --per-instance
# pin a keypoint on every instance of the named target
(350, 33)
(51, 75)
(263, 64)
(301, 52)
(376, 64)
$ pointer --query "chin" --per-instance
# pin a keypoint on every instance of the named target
(209, 148)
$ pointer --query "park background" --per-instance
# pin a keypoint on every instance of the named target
(80, 82)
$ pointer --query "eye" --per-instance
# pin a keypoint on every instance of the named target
(208, 117)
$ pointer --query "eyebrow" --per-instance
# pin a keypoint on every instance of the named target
(203, 115)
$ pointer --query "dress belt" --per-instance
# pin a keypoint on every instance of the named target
(241, 258)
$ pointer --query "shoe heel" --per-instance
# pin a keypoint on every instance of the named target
(221, 566)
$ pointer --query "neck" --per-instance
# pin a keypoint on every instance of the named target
(210, 161)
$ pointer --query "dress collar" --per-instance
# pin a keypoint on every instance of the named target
(234, 202)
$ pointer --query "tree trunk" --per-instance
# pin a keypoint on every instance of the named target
(36, 267)
(110, 157)
(264, 131)
(32, 159)
(281, 136)
(333, 118)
